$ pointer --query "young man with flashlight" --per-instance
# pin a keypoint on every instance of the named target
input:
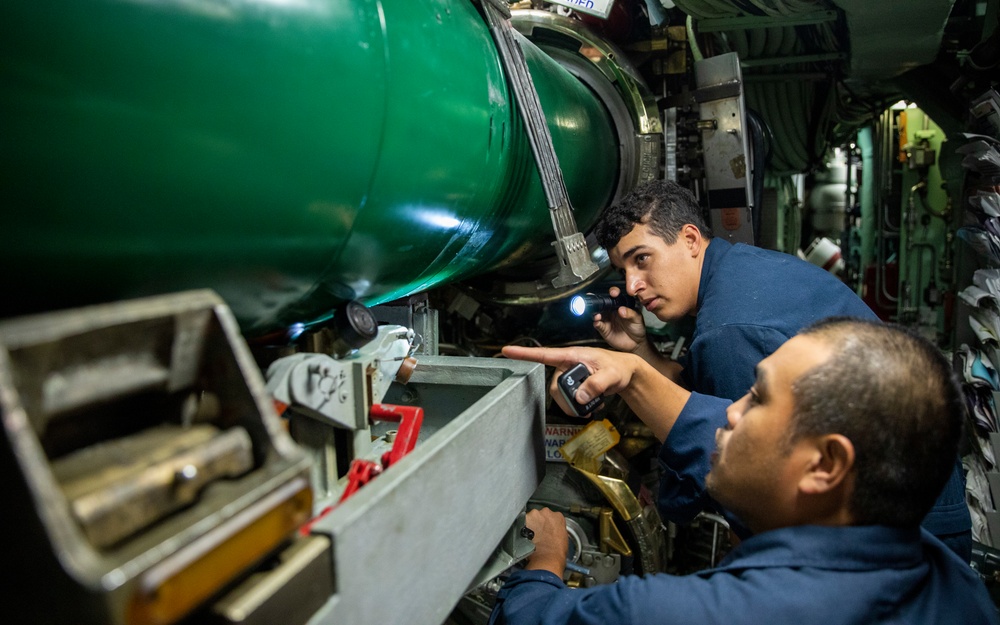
(746, 302)
(832, 459)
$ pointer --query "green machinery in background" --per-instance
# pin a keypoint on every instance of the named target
(292, 155)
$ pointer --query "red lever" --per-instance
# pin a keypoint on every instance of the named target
(360, 473)
(409, 418)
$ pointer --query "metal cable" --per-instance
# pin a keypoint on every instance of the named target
(725, 7)
(757, 40)
(800, 101)
(699, 10)
(738, 40)
(773, 40)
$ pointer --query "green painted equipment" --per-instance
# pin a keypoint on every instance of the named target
(290, 155)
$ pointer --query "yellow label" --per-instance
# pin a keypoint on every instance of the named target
(583, 450)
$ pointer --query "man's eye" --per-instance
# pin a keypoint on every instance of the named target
(754, 398)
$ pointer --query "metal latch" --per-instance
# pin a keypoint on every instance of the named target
(575, 264)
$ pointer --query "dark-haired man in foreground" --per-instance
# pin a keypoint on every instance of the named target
(832, 459)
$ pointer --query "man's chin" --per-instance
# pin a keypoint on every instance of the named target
(715, 484)
(666, 316)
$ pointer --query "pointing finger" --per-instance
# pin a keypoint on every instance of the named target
(552, 356)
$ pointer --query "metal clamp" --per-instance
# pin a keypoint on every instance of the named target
(571, 246)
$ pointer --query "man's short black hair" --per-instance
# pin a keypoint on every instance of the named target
(665, 206)
(895, 396)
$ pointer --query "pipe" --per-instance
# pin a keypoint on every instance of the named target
(883, 298)
(870, 139)
(291, 155)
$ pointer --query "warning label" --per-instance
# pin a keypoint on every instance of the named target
(555, 437)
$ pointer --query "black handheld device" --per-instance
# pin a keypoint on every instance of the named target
(569, 382)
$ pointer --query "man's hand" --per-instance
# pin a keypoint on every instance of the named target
(654, 398)
(624, 329)
(551, 541)
(611, 371)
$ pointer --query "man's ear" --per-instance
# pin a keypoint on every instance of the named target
(691, 236)
(831, 462)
